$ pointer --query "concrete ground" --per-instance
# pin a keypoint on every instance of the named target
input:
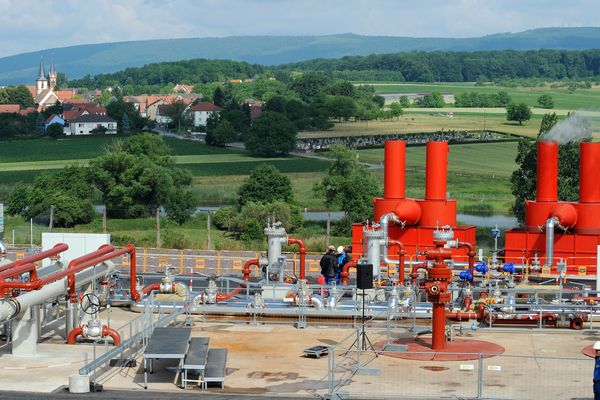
(267, 360)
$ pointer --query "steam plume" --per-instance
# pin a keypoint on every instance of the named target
(575, 128)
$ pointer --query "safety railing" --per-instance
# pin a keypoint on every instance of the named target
(134, 335)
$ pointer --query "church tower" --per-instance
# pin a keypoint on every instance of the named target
(52, 76)
(41, 83)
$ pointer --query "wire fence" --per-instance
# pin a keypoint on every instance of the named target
(354, 373)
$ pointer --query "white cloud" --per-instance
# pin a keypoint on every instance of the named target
(27, 25)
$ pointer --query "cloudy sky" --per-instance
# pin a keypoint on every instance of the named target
(27, 25)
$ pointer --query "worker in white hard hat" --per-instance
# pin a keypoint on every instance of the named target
(328, 265)
(597, 371)
(342, 259)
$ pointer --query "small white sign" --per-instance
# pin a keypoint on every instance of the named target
(466, 367)
(1, 217)
(494, 368)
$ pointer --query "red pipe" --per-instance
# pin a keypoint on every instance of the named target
(20, 269)
(58, 248)
(589, 171)
(70, 273)
(302, 250)
(547, 171)
(106, 331)
(401, 254)
(72, 336)
(394, 170)
(151, 287)
(345, 274)
(246, 270)
(438, 278)
(436, 170)
(565, 214)
(414, 272)
(228, 296)
(471, 253)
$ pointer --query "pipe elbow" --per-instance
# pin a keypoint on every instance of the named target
(565, 215)
(72, 336)
(108, 331)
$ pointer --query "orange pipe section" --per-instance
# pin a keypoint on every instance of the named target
(565, 214)
(547, 171)
(59, 248)
(345, 274)
(302, 250)
(228, 296)
(394, 171)
(72, 336)
(471, 253)
(246, 270)
(151, 287)
(436, 170)
(589, 171)
(401, 254)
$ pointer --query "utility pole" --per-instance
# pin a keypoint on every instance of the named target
(104, 220)
(208, 223)
(51, 223)
(328, 227)
(158, 244)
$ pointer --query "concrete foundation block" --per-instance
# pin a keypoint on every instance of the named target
(79, 383)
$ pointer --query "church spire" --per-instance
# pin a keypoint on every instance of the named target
(42, 74)
(52, 70)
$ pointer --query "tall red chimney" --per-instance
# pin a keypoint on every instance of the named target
(589, 172)
(547, 171)
(436, 170)
(394, 172)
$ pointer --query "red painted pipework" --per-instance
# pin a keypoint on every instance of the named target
(102, 250)
(471, 253)
(394, 171)
(345, 274)
(302, 250)
(438, 278)
(58, 248)
(20, 269)
(414, 272)
(106, 331)
(436, 170)
(401, 254)
(151, 287)
(565, 214)
(228, 296)
(246, 270)
(547, 171)
(70, 273)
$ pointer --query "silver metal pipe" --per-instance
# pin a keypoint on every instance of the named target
(11, 307)
(2, 247)
(550, 224)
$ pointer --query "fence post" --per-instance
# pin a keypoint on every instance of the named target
(330, 372)
(480, 376)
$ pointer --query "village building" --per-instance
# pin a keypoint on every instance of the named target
(202, 111)
(90, 124)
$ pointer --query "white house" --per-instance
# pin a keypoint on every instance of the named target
(162, 115)
(202, 111)
(85, 124)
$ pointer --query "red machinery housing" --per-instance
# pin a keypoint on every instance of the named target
(421, 217)
(577, 232)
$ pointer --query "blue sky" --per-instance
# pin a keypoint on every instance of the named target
(27, 25)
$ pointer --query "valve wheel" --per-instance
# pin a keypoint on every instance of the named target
(93, 304)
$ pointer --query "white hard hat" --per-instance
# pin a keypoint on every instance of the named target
(330, 248)
(340, 249)
(597, 345)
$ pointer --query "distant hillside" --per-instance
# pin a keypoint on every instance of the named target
(77, 61)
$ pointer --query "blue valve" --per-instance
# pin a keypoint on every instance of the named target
(482, 267)
(509, 267)
(465, 275)
(495, 233)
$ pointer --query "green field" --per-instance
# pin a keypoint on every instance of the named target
(580, 99)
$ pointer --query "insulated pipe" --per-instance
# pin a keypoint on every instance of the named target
(302, 250)
(436, 170)
(13, 306)
(345, 273)
(550, 223)
(547, 171)
(246, 270)
(589, 171)
(59, 248)
(394, 170)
